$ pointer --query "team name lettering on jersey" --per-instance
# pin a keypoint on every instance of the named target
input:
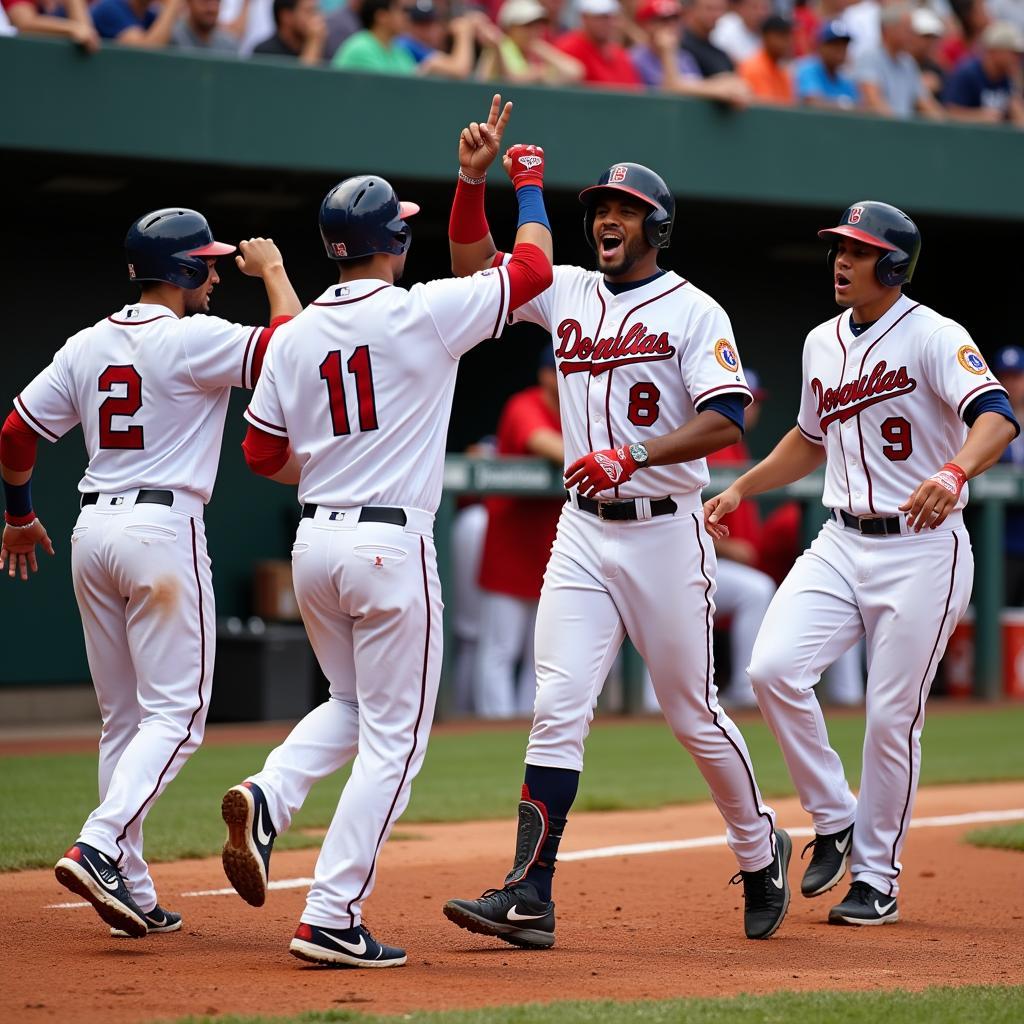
(638, 345)
(847, 401)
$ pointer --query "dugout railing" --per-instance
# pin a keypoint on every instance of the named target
(535, 478)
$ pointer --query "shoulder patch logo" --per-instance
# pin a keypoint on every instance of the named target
(617, 174)
(970, 359)
(726, 355)
(856, 212)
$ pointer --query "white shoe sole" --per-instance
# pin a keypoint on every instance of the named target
(316, 954)
(117, 933)
(79, 880)
(888, 919)
(242, 862)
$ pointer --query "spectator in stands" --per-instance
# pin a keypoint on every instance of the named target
(301, 32)
(557, 24)
(819, 80)
(661, 63)
(973, 18)
(425, 39)
(927, 31)
(199, 29)
(809, 18)
(738, 31)
(342, 23)
(889, 78)
(1008, 366)
(597, 47)
(251, 21)
(766, 72)
(701, 18)
(520, 532)
(376, 48)
(864, 21)
(986, 89)
(69, 20)
(522, 54)
(137, 22)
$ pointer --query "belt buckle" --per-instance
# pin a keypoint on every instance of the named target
(600, 510)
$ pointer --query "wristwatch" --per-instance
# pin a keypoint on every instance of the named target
(639, 454)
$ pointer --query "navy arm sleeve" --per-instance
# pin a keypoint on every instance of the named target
(991, 401)
(729, 406)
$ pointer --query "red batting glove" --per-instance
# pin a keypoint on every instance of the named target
(526, 166)
(951, 477)
(601, 470)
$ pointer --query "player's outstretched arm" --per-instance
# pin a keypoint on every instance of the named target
(791, 459)
(469, 237)
(937, 496)
(260, 257)
(22, 528)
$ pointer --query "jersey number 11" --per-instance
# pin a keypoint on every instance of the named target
(359, 366)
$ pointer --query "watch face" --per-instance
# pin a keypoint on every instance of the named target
(639, 453)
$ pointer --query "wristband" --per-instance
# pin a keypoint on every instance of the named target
(531, 206)
(19, 501)
(951, 477)
(19, 522)
(471, 181)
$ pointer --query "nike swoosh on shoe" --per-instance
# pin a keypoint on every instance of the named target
(356, 949)
(842, 847)
(514, 915)
(261, 835)
(882, 911)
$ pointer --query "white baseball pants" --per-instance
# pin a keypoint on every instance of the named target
(505, 682)
(145, 593)
(370, 598)
(905, 594)
(652, 579)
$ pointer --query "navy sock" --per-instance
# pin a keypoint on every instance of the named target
(556, 789)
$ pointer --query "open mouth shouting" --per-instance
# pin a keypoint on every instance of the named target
(611, 242)
(843, 283)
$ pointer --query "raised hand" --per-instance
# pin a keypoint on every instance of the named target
(525, 165)
(258, 255)
(480, 143)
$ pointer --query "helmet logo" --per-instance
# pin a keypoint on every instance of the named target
(530, 160)
(617, 174)
(726, 355)
(856, 212)
(970, 359)
(339, 248)
(131, 271)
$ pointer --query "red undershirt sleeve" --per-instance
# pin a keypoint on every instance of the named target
(265, 453)
(529, 274)
(261, 345)
(18, 443)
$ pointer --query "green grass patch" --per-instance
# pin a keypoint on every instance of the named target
(1000, 837)
(992, 1004)
(467, 776)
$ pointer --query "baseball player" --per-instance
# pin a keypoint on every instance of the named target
(150, 386)
(649, 382)
(898, 403)
(360, 384)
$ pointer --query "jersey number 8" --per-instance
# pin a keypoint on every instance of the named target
(359, 366)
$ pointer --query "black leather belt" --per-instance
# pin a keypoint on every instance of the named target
(870, 526)
(623, 510)
(368, 514)
(144, 497)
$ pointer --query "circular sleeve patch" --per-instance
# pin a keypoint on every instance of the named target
(970, 359)
(726, 355)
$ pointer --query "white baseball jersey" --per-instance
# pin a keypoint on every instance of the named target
(151, 392)
(887, 405)
(361, 384)
(635, 366)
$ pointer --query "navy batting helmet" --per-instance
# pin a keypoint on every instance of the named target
(362, 216)
(887, 228)
(172, 245)
(641, 183)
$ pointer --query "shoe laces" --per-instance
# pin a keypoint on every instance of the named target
(860, 892)
(814, 843)
(756, 894)
(502, 898)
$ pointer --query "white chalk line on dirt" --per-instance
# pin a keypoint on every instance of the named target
(665, 846)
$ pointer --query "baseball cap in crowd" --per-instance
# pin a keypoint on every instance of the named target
(776, 23)
(546, 359)
(1002, 35)
(598, 7)
(834, 31)
(520, 12)
(652, 10)
(926, 23)
(422, 11)
(754, 383)
(1009, 359)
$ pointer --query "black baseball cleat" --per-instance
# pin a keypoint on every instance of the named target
(828, 862)
(766, 892)
(343, 947)
(865, 905)
(515, 914)
(246, 854)
(157, 921)
(91, 874)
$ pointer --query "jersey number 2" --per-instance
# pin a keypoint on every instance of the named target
(359, 366)
(896, 430)
(129, 404)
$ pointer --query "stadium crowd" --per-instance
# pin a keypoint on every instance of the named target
(938, 59)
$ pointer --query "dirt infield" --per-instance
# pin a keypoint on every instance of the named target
(630, 927)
